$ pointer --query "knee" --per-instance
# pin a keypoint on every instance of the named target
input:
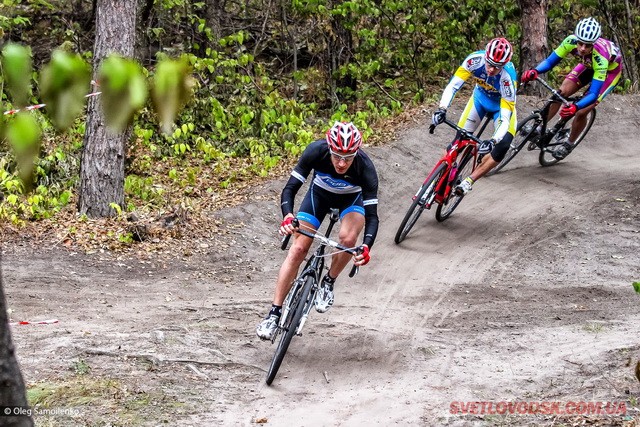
(583, 113)
(348, 239)
(297, 252)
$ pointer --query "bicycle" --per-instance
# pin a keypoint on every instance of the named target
(535, 131)
(301, 297)
(458, 163)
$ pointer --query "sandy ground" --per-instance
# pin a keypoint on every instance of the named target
(524, 294)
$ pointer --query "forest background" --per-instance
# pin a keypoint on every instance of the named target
(269, 77)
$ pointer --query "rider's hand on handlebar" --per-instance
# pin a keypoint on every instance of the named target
(363, 256)
(529, 75)
(439, 116)
(287, 226)
(487, 146)
(568, 111)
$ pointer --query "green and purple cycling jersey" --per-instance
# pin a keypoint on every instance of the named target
(602, 68)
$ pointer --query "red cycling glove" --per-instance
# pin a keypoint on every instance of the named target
(364, 251)
(529, 75)
(284, 225)
(568, 111)
(287, 221)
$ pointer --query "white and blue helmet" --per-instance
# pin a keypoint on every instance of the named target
(588, 30)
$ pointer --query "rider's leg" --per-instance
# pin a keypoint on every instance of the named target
(567, 88)
(579, 123)
(291, 264)
(499, 151)
(473, 114)
(351, 225)
(350, 228)
(267, 327)
(485, 166)
(580, 120)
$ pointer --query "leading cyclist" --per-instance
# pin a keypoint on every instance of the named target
(344, 178)
(494, 95)
(600, 65)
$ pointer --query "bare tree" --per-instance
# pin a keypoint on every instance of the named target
(533, 46)
(102, 167)
(12, 390)
(214, 14)
(619, 32)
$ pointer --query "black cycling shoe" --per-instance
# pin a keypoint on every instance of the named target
(562, 151)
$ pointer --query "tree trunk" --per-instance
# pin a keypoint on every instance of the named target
(102, 167)
(213, 17)
(534, 38)
(630, 63)
(12, 390)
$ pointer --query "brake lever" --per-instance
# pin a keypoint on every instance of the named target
(285, 239)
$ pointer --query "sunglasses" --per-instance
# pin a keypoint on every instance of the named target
(343, 157)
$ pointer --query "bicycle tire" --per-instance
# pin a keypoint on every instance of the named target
(519, 141)
(446, 208)
(297, 308)
(546, 154)
(417, 206)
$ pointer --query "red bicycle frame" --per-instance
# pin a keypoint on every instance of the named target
(444, 186)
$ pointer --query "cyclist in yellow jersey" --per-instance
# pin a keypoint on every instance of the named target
(494, 95)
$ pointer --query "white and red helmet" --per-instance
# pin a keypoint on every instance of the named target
(498, 52)
(344, 137)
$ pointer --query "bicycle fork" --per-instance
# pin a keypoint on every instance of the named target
(307, 309)
(286, 307)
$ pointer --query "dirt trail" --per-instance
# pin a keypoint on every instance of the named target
(524, 294)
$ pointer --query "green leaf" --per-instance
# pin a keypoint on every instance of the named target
(171, 90)
(17, 68)
(23, 133)
(636, 286)
(64, 82)
(124, 91)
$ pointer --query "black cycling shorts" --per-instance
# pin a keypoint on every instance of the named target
(317, 203)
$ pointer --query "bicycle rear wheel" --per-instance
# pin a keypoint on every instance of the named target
(425, 193)
(546, 153)
(297, 308)
(446, 208)
(524, 133)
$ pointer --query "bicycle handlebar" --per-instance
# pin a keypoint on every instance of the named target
(551, 89)
(464, 134)
(555, 93)
(324, 240)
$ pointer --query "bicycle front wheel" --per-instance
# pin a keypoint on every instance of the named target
(524, 133)
(424, 194)
(546, 154)
(297, 309)
(446, 208)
